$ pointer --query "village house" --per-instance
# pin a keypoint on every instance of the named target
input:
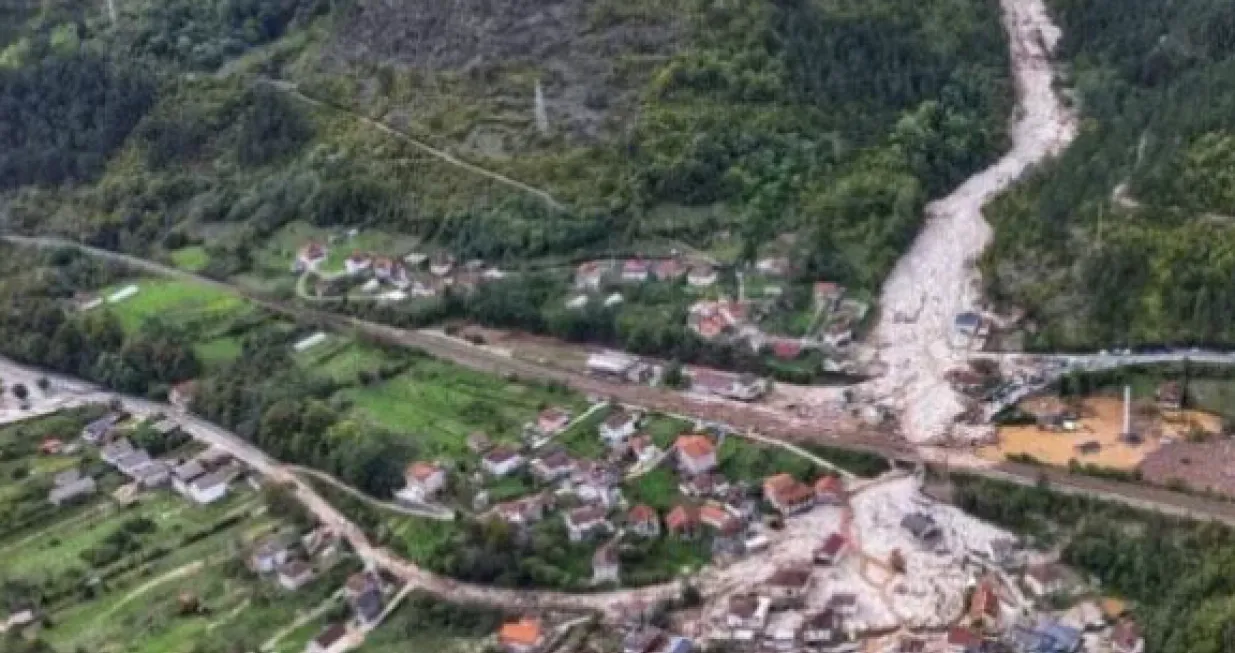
(596, 482)
(589, 276)
(186, 473)
(523, 636)
(827, 294)
(830, 490)
(787, 494)
(748, 612)
(962, 640)
(644, 639)
(832, 551)
(502, 461)
(364, 593)
(643, 521)
(553, 420)
(618, 427)
(967, 324)
(695, 454)
(786, 349)
(643, 449)
(1126, 638)
(717, 517)
(776, 266)
(182, 394)
(442, 264)
(320, 542)
(838, 335)
(333, 639)
(295, 575)
(1045, 579)
(682, 521)
(100, 429)
(985, 606)
(553, 466)
(51, 446)
(586, 522)
(478, 442)
(114, 451)
(153, 474)
(310, 256)
(669, 269)
(522, 512)
(358, 262)
(923, 528)
(269, 554)
(1046, 635)
(606, 566)
(423, 481)
(823, 629)
(704, 485)
(635, 270)
(844, 604)
(701, 275)
(132, 461)
(208, 488)
(788, 586)
(70, 490)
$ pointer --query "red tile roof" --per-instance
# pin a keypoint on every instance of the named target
(682, 518)
(642, 514)
(695, 446)
(524, 632)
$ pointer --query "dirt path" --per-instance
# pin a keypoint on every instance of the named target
(179, 572)
(936, 278)
(300, 621)
(293, 90)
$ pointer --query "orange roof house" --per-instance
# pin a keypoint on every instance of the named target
(522, 636)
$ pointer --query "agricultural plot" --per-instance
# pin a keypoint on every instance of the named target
(442, 404)
(182, 303)
(160, 575)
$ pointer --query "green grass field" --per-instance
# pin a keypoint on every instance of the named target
(441, 404)
(182, 303)
(342, 359)
(191, 259)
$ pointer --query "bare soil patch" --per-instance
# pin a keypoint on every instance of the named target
(1101, 421)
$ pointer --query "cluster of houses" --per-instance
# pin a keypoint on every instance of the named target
(203, 478)
(618, 366)
(416, 274)
(365, 593)
(294, 561)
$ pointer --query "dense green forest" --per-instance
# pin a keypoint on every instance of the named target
(1153, 261)
(832, 122)
(1176, 572)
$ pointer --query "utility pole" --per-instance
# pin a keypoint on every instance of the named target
(111, 11)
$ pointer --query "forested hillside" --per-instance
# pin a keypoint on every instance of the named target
(710, 122)
(1130, 237)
